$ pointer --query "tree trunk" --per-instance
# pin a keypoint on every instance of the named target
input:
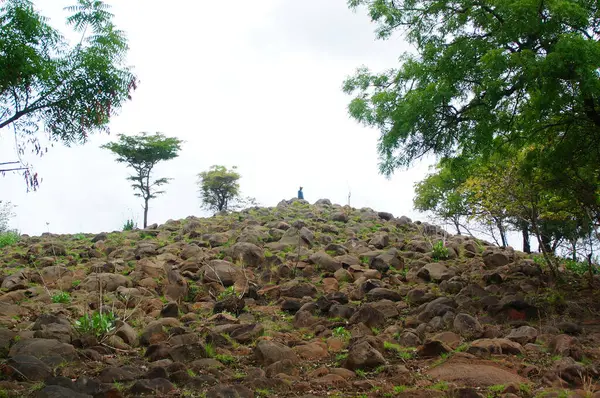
(502, 231)
(145, 213)
(526, 241)
(457, 226)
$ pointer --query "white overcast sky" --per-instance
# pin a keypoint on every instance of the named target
(252, 84)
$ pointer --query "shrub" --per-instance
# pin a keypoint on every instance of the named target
(8, 238)
(440, 251)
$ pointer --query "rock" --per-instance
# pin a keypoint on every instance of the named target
(480, 373)
(188, 352)
(435, 272)
(381, 293)
(343, 275)
(284, 366)
(340, 217)
(368, 315)
(27, 367)
(449, 338)
(127, 334)
(494, 259)
(467, 326)
(565, 345)
(268, 352)
(433, 348)
(325, 261)
(363, 356)
(170, 310)
(523, 335)
(385, 215)
(250, 254)
(59, 392)
(220, 271)
(109, 282)
(232, 304)
(153, 387)
(229, 391)
(485, 347)
(158, 330)
(570, 328)
(51, 352)
(313, 350)
(296, 289)
(380, 240)
(119, 374)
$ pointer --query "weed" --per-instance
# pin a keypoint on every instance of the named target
(498, 388)
(440, 251)
(225, 359)
(341, 333)
(129, 225)
(97, 324)
(400, 389)
(61, 297)
(230, 291)
(401, 352)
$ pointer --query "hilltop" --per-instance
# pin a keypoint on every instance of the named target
(296, 300)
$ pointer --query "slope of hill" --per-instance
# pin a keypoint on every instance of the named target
(297, 300)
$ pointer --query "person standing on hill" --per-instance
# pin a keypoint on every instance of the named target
(300, 194)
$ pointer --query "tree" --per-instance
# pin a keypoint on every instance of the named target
(142, 153)
(485, 75)
(5, 214)
(219, 188)
(69, 91)
(439, 193)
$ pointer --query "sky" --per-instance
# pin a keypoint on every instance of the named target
(251, 84)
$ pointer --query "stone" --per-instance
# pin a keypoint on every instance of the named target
(381, 293)
(485, 347)
(268, 352)
(221, 271)
(28, 367)
(152, 387)
(368, 315)
(250, 254)
(467, 326)
(296, 289)
(480, 373)
(55, 391)
(494, 259)
(51, 352)
(363, 356)
(433, 348)
(523, 335)
(325, 261)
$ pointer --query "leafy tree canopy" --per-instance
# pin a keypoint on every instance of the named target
(219, 188)
(486, 74)
(70, 91)
(142, 153)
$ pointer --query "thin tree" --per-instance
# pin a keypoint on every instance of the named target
(142, 153)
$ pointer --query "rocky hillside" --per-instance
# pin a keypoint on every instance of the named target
(298, 300)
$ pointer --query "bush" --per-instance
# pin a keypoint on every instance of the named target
(8, 238)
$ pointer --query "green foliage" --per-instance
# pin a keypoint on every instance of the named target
(5, 215)
(9, 238)
(228, 292)
(142, 153)
(72, 90)
(210, 350)
(511, 88)
(129, 225)
(341, 333)
(440, 251)
(97, 324)
(401, 352)
(219, 187)
(61, 297)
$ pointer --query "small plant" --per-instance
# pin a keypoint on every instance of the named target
(228, 292)
(129, 225)
(440, 386)
(498, 388)
(440, 251)
(400, 389)
(225, 359)
(341, 333)
(98, 324)
(401, 352)
(8, 238)
(61, 297)
(210, 350)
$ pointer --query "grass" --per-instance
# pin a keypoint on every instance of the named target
(401, 352)
(341, 333)
(440, 386)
